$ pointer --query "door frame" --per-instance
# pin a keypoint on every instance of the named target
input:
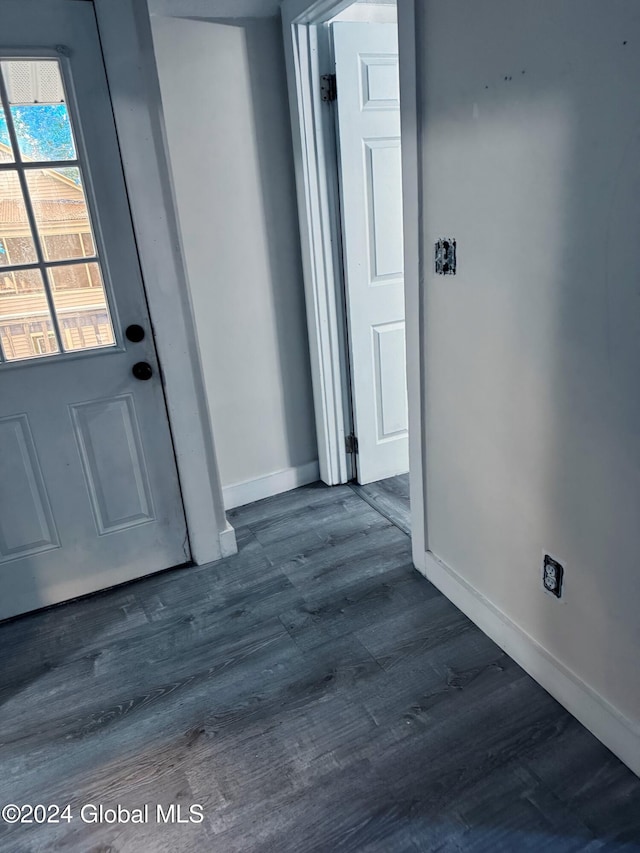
(124, 28)
(307, 57)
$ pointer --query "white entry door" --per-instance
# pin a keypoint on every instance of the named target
(366, 57)
(89, 494)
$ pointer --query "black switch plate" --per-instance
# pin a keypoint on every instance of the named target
(446, 256)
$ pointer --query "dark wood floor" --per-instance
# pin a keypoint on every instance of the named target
(390, 497)
(312, 693)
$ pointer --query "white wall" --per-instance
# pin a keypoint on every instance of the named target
(224, 97)
(531, 158)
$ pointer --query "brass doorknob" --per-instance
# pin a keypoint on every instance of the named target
(142, 370)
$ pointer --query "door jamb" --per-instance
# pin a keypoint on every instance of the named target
(318, 210)
(307, 58)
(124, 27)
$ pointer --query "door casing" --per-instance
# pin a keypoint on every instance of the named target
(308, 57)
(125, 32)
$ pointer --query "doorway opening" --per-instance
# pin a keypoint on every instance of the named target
(347, 101)
(366, 107)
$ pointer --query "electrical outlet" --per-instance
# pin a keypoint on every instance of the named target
(445, 256)
(552, 576)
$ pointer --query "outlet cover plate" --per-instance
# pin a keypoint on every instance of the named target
(445, 256)
(552, 576)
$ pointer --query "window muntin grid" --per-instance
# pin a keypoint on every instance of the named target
(52, 294)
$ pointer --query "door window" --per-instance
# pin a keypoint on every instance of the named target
(52, 294)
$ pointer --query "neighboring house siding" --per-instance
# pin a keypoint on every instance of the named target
(65, 231)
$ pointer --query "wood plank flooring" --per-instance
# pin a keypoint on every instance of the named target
(311, 693)
(390, 497)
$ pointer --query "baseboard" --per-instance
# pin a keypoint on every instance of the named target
(613, 729)
(228, 544)
(240, 494)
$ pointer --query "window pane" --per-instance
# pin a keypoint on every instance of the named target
(38, 109)
(81, 306)
(62, 246)
(60, 210)
(6, 153)
(16, 243)
(26, 329)
(72, 277)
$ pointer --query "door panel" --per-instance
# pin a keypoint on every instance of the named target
(113, 461)
(384, 213)
(89, 493)
(26, 521)
(366, 58)
(390, 385)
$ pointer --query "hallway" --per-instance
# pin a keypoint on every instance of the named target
(312, 693)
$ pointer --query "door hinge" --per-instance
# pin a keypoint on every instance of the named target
(328, 87)
(351, 443)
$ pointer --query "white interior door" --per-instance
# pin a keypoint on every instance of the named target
(89, 494)
(366, 57)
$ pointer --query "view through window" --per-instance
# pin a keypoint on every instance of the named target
(52, 295)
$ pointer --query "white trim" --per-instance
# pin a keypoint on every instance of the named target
(214, 8)
(410, 132)
(616, 732)
(228, 544)
(249, 491)
(125, 33)
(319, 216)
(311, 11)
(367, 13)
(316, 181)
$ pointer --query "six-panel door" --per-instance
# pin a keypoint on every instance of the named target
(366, 58)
